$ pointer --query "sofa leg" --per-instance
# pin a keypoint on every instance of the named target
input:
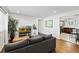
(52, 51)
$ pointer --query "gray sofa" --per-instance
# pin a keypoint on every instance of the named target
(37, 44)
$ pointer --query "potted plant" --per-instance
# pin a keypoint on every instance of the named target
(12, 24)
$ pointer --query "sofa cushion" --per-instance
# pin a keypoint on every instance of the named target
(47, 36)
(16, 45)
(35, 39)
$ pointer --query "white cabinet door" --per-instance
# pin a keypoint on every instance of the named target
(68, 37)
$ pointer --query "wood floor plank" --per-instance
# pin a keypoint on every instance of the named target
(66, 47)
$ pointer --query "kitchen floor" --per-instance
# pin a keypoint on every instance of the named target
(17, 39)
(63, 46)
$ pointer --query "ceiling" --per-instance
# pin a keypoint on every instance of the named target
(39, 11)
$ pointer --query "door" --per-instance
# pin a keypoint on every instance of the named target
(40, 25)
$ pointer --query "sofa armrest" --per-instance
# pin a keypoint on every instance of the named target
(14, 46)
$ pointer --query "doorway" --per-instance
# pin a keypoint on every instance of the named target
(40, 25)
(68, 29)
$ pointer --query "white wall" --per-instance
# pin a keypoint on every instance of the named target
(77, 22)
(55, 30)
(3, 29)
(25, 21)
(40, 25)
(36, 23)
(6, 28)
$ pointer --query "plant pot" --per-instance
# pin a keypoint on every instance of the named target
(12, 37)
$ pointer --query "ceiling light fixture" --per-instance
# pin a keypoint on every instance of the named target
(18, 11)
(43, 16)
(54, 11)
(33, 17)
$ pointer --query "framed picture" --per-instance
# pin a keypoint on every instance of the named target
(49, 23)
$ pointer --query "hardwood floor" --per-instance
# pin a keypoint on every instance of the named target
(16, 39)
(66, 47)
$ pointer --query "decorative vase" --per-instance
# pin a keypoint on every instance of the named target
(12, 37)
